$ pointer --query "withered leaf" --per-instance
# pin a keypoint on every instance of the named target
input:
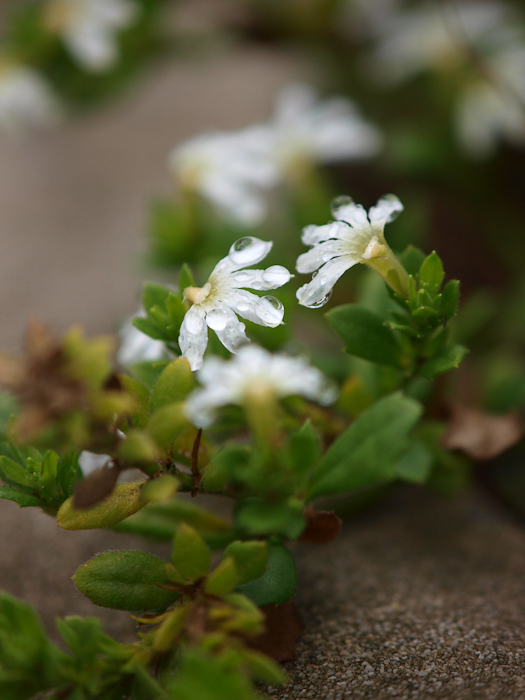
(96, 486)
(481, 435)
(321, 526)
(283, 627)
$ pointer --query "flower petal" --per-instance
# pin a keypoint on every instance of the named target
(312, 235)
(386, 210)
(271, 278)
(317, 292)
(233, 335)
(319, 255)
(193, 337)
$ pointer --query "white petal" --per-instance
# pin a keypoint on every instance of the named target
(193, 338)
(270, 312)
(94, 47)
(233, 335)
(319, 255)
(353, 214)
(386, 210)
(317, 292)
(271, 278)
(245, 304)
(249, 251)
(312, 235)
(217, 319)
(292, 102)
(241, 202)
(91, 461)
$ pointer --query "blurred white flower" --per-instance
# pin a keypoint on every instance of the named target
(229, 169)
(488, 111)
(136, 346)
(90, 461)
(354, 237)
(26, 100)
(89, 28)
(251, 372)
(305, 128)
(234, 169)
(432, 36)
(216, 304)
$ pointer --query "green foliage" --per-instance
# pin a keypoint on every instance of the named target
(164, 314)
(125, 580)
(251, 559)
(366, 453)
(190, 555)
(279, 581)
(447, 359)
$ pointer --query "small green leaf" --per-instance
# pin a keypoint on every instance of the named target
(176, 312)
(367, 451)
(260, 517)
(365, 334)
(412, 258)
(450, 299)
(279, 581)
(449, 358)
(123, 502)
(160, 490)
(170, 628)
(174, 384)
(185, 278)
(425, 312)
(304, 448)
(24, 500)
(150, 328)
(224, 465)
(431, 273)
(68, 472)
(203, 677)
(263, 669)
(166, 424)
(14, 474)
(416, 464)
(251, 559)
(139, 417)
(223, 579)
(138, 447)
(125, 580)
(154, 295)
(190, 555)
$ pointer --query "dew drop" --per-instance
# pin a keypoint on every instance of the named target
(322, 302)
(276, 275)
(339, 203)
(270, 311)
(248, 250)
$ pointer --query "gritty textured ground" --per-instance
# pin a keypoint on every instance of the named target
(425, 599)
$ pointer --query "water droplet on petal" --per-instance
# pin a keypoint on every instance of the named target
(270, 310)
(242, 305)
(276, 275)
(217, 319)
(248, 250)
(321, 302)
(339, 202)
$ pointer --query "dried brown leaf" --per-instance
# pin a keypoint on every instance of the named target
(283, 627)
(482, 435)
(321, 526)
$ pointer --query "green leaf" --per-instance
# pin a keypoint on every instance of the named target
(174, 384)
(431, 273)
(412, 258)
(166, 424)
(125, 580)
(450, 299)
(449, 358)
(14, 474)
(365, 334)
(68, 472)
(124, 500)
(154, 295)
(367, 451)
(260, 517)
(279, 581)
(416, 464)
(203, 677)
(150, 328)
(185, 278)
(139, 417)
(251, 559)
(24, 500)
(190, 555)
(425, 312)
(224, 465)
(304, 448)
(223, 579)
(263, 669)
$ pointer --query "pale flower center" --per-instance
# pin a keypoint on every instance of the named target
(374, 249)
(197, 295)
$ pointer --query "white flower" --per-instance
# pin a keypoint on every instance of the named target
(216, 304)
(26, 100)
(229, 169)
(136, 346)
(433, 36)
(254, 370)
(89, 28)
(487, 111)
(319, 131)
(234, 169)
(90, 461)
(354, 237)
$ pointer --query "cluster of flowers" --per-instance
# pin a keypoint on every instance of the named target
(353, 237)
(88, 30)
(481, 43)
